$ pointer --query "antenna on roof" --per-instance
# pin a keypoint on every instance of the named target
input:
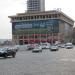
(57, 9)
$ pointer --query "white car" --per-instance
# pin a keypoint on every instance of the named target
(37, 49)
(54, 48)
(45, 45)
(69, 45)
(62, 45)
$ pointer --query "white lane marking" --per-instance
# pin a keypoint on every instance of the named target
(67, 59)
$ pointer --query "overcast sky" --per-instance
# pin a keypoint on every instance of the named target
(11, 7)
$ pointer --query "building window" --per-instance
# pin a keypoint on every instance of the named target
(31, 36)
(15, 37)
(20, 42)
(55, 15)
(43, 16)
(17, 18)
(28, 17)
(37, 17)
(20, 37)
(23, 18)
(46, 16)
(34, 17)
(13, 18)
(49, 16)
(25, 37)
(20, 18)
(31, 17)
(36, 36)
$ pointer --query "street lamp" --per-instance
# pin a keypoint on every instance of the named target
(52, 31)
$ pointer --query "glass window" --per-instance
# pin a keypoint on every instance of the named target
(23, 18)
(20, 37)
(43, 16)
(15, 37)
(20, 42)
(31, 17)
(55, 15)
(49, 16)
(20, 18)
(37, 17)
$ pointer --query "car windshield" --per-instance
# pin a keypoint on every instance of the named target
(37, 46)
(2, 49)
(54, 45)
(69, 44)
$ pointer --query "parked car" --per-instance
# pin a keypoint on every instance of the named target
(30, 46)
(45, 45)
(54, 48)
(5, 52)
(37, 49)
(69, 45)
(62, 45)
(13, 49)
(16, 47)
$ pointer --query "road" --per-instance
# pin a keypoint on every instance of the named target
(60, 62)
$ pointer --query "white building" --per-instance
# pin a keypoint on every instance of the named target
(35, 5)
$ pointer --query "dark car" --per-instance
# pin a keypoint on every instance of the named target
(16, 47)
(30, 46)
(5, 52)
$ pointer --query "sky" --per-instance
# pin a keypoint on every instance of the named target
(12, 7)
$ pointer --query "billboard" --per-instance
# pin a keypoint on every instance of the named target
(40, 25)
(34, 24)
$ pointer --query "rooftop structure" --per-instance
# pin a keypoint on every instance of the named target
(35, 5)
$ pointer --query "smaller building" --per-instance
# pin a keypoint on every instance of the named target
(46, 26)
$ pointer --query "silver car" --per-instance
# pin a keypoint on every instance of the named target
(37, 49)
(69, 45)
(54, 48)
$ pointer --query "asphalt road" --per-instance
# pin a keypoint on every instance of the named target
(60, 62)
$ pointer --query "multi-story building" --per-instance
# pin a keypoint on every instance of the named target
(73, 36)
(35, 5)
(47, 26)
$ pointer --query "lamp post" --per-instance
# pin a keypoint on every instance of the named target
(52, 32)
(28, 36)
(48, 32)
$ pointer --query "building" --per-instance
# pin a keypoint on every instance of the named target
(73, 36)
(47, 26)
(35, 5)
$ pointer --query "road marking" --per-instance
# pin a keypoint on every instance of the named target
(67, 59)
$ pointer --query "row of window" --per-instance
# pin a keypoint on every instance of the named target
(36, 17)
(34, 36)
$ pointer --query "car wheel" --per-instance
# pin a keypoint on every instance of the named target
(13, 55)
(5, 56)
